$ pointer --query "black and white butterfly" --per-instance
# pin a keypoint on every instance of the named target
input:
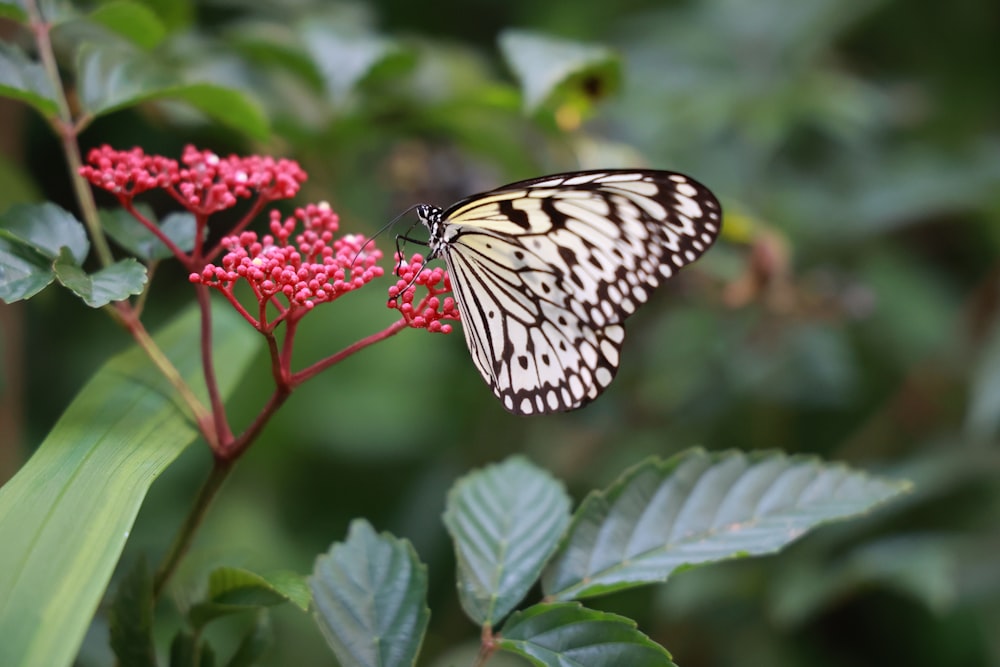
(545, 272)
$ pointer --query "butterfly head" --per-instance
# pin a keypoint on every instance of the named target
(431, 217)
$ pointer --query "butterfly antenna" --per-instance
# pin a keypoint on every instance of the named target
(382, 229)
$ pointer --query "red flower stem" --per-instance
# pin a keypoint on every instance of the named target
(235, 449)
(291, 326)
(182, 256)
(272, 348)
(319, 366)
(223, 434)
(234, 302)
(184, 536)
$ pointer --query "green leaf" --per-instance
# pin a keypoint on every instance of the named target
(23, 271)
(234, 590)
(226, 105)
(253, 644)
(505, 520)
(346, 58)
(112, 77)
(65, 516)
(47, 228)
(13, 10)
(131, 618)
(369, 598)
(25, 80)
(131, 20)
(567, 634)
(130, 234)
(701, 507)
(545, 64)
(112, 283)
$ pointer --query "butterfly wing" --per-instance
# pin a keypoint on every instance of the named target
(545, 272)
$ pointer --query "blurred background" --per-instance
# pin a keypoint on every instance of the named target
(850, 310)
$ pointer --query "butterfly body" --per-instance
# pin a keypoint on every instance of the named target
(545, 272)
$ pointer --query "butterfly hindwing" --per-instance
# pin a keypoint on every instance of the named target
(546, 271)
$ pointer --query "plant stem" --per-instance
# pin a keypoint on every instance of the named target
(185, 535)
(307, 373)
(202, 417)
(67, 130)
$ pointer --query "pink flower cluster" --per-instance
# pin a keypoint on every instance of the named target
(202, 182)
(315, 268)
(431, 310)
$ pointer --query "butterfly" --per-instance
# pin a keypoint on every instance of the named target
(545, 272)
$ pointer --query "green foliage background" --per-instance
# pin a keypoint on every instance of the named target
(856, 149)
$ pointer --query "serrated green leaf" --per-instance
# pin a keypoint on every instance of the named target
(234, 590)
(543, 64)
(23, 271)
(569, 635)
(131, 618)
(701, 507)
(345, 58)
(25, 80)
(369, 598)
(505, 521)
(47, 228)
(130, 234)
(112, 283)
(132, 20)
(253, 644)
(65, 516)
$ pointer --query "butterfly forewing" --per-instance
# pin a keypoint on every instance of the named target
(545, 271)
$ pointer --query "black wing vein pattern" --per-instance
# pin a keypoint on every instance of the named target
(546, 271)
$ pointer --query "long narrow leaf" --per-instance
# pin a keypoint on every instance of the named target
(65, 516)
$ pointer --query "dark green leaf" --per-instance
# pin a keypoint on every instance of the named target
(47, 228)
(226, 105)
(544, 64)
(23, 271)
(701, 507)
(22, 79)
(564, 634)
(253, 644)
(234, 590)
(369, 598)
(130, 234)
(131, 618)
(131, 20)
(113, 76)
(505, 520)
(113, 283)
(186, 650)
